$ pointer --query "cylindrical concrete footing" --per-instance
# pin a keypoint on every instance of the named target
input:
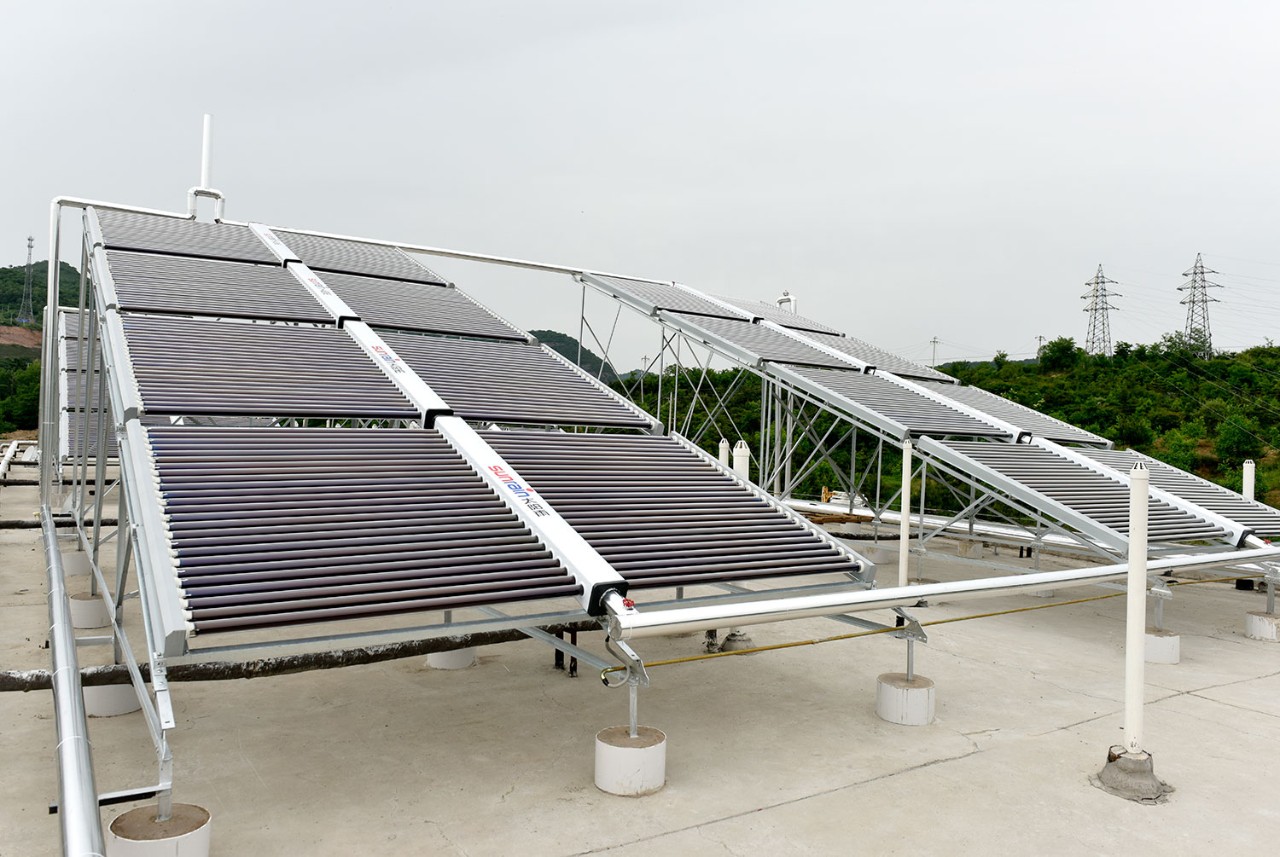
(110, 700)
(136, 833)
(1262, 626)
(631, 766)
(905, 701)
(458, 659)
(75, 563)
(1163, 647)
(89, 611)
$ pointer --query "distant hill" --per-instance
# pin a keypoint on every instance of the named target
(567, 346)
(21, 343)
(11, 284)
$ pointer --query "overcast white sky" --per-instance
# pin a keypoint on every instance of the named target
(910, 170)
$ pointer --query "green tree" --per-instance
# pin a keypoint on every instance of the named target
(1059, 355)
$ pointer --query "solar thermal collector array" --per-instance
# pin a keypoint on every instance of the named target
(279, 526)
(1101, 497)
(1262, 519)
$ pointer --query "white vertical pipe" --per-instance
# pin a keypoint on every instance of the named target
(904, 521)
(724, 452)
(742, 460)
(206, 153)
(1249, 472)
(1136, 616)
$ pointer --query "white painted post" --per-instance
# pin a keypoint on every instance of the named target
(1136, 616)
(206, 153)
(742, 460)
(724, 452)
(1249, 473)
(904, 524)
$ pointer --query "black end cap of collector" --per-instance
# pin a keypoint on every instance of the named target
(429, 418)
(601, 591)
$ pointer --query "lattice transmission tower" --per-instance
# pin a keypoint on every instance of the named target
(26, 315)
(1099, 339)
(1197, 303)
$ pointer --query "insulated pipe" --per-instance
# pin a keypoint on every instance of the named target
(77, 791)
(13, 449)
(904, 519)
(1136, 614)
(724, 453)
(638, 625)
(1247, 487)
(741, 460)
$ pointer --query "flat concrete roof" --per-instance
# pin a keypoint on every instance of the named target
(773, 753)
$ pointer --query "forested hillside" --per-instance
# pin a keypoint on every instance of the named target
(11, 284)
(567, 346)
(19, 363)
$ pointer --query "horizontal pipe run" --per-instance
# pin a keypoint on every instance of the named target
(639, 625)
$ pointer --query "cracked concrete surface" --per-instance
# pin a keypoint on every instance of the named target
(778, 753)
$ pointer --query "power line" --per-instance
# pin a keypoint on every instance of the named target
(1098, 340)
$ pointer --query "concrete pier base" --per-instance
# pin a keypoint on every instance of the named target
(136, 833)
(89, 611)
(110, 700)
(630, 766)
(457, 659)
(905, 701)
(1262, 626)
(1163, 647)
(1131, 776)
(75, 564)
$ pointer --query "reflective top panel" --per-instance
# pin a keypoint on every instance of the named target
(1040, 425)
(416, 306)
(919, 413)
(356, 257)
(878, 357)
(778, 315)
(767, 344)
(666, 297)
(148, 282)
(178, 236)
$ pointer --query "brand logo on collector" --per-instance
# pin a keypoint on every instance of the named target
(522, 491)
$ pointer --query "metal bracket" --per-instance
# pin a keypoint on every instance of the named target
(122, 796)
(910, 628)
(219, 202)
(636, 675)
(1272, 573)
